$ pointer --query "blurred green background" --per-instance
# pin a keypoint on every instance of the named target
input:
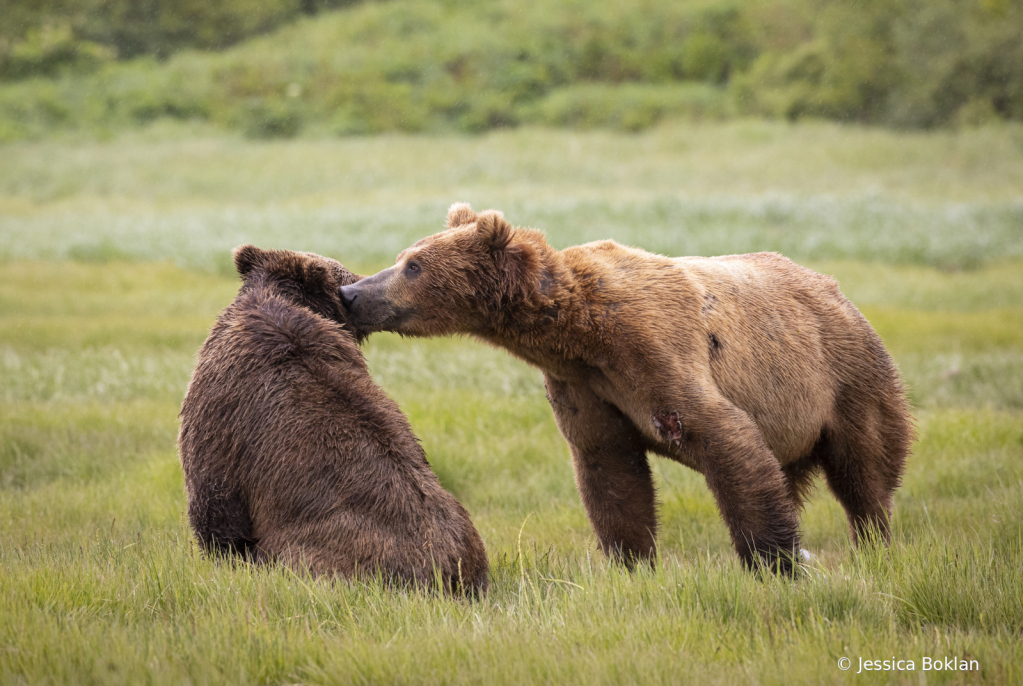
(442, 65)
(879, 142)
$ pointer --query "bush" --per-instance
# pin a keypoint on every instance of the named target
(452, 65)
(270, 119)
(131, 28)
(364, 106)
(912, 63)
(629, 107)
(48, 51)
(954, 54)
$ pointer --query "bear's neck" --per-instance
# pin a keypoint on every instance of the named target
(552, 326)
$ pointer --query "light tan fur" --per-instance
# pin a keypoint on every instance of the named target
(749, 369)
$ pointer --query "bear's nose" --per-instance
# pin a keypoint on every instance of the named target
(348, 296)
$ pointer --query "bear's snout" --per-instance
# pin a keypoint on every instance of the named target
(354, 298)
(369, 304)
(348, 296)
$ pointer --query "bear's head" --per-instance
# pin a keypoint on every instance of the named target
(305, 278)
(455, 281)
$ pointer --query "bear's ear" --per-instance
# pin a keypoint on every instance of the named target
(517, 260)
(460, 214)
(247, 258)
(494, 230)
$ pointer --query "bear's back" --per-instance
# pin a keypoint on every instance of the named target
(292, 452)
(279, 416)
(778, 340)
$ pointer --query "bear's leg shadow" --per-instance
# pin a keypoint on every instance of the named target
(611, 472)
(751, 491)
(799, 475)
(863, 460)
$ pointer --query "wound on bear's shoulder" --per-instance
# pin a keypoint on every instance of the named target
(669, 426)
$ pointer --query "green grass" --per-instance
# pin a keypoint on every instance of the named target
(115, 265)
(813, 192)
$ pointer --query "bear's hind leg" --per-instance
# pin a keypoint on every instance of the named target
(220, 518)
(863, 466)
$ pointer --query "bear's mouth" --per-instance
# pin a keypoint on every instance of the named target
(393, 320)
(369, 317)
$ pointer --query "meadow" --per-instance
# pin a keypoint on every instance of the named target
(115, 260)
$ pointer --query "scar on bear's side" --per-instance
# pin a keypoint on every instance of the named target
(715, 345)
(709, 301)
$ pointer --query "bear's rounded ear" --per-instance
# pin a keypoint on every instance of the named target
(460, 214)
(517, 260)
(247, 258)
(494, 230)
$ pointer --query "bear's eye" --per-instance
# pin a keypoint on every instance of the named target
(412, 269)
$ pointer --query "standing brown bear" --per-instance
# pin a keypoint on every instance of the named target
(747, 368)
(291, 452)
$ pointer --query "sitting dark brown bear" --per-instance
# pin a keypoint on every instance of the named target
(292, 453)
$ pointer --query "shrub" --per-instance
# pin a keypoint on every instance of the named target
(629, 107)
(903, 62)
(453, 65)
(49, 50)
(130, 28)
(270, 118)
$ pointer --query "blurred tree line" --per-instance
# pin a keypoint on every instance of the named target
(478, 64)
(43, 37)
(916, 63)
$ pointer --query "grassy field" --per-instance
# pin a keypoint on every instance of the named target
(114, 263)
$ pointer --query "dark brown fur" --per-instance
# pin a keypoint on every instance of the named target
(291, 452)
(750, 369)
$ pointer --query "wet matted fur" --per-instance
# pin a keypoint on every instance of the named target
(291, 452)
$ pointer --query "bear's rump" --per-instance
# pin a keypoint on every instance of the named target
(787, 392)
(767, 335)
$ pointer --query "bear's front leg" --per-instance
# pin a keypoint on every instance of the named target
(744, 476)
(611, 471)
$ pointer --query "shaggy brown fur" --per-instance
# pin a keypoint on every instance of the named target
(292, 453)
(747, 368)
